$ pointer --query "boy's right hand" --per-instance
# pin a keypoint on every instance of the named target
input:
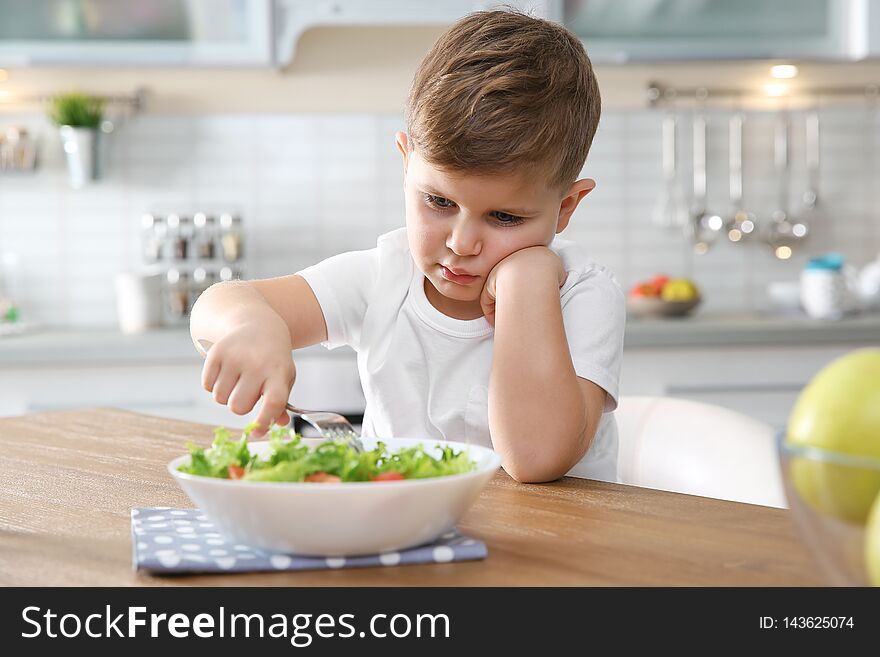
(253, 360)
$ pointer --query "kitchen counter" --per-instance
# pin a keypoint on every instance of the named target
(750, 330)
(72, 477)
(109, 346)
(173, 345)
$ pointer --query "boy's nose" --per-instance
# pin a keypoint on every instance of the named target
(464, 240)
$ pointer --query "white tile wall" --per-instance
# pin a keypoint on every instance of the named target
(309, 186)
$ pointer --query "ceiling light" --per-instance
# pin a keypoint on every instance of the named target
(784, 71)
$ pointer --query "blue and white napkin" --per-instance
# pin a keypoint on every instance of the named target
(169, 541)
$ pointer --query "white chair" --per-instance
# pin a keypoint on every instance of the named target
(699, 449)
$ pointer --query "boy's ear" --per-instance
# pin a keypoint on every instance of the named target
(402, 142)
(571, 200)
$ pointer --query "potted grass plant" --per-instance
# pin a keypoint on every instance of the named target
(78, 117)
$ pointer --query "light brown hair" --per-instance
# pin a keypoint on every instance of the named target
(500, 92)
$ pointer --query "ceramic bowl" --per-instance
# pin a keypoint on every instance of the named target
(648, 307)
(340, 519)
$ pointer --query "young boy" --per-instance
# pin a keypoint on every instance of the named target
(472, 323)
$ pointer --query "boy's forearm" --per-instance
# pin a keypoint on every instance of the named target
(537, 414)
(226, 306)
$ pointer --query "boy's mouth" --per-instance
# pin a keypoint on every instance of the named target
(457, 276)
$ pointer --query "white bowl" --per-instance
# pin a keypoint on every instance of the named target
(340, 519)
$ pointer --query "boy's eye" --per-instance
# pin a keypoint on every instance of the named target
(438, 201)
(507, 219)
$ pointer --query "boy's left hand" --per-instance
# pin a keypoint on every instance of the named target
(534, 262)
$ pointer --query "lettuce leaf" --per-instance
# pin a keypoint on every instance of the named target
(288, 460)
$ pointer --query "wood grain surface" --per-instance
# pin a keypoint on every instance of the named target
(70, 478)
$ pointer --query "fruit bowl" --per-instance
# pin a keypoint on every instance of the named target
(834, 500)
(646, 307)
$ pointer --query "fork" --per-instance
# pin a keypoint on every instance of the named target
(331, 426)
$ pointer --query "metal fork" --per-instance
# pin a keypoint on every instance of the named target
(332, 426)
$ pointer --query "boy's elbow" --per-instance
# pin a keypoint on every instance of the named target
(546, 464)
(531, 470)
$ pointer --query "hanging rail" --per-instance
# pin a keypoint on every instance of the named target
(658, 94)
(136, 100)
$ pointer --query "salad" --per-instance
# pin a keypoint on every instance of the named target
(288, 460)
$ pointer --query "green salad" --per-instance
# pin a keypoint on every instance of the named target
(332, 461)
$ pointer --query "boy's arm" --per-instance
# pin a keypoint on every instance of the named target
(542, 416)
(225, 306)
(253, 326)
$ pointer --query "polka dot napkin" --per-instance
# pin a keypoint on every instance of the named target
(168, 541)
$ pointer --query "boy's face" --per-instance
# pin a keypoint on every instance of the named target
(461, 225)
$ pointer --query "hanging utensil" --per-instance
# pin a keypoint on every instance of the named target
(671, 209)
(740, 223)
(812, 208)
(704, 226)
(784, 231)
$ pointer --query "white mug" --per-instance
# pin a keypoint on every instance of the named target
(138, 301)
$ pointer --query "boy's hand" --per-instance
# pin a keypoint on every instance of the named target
(253, 360)
(534, 262)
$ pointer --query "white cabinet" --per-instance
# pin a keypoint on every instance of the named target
(325, 382)
(198, 32)
(133, 32)
(762, 382)
(619, 32)
(293, 17)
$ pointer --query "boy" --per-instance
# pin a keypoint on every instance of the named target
(471, 323)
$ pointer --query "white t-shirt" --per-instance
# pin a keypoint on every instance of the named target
(425, 374)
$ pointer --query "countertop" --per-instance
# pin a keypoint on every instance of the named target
(72, 477)
(751, 330)
(79, 346)
(57, 346)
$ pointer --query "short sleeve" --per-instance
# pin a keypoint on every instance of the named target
(343, 285)
(594, 315)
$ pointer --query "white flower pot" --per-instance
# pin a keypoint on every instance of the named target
(81, 150)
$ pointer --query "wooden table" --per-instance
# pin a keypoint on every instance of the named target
(70, 478)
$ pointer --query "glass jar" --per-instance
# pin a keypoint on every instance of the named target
(177, 294)
(9, 311)
(231, 237)
(230, 273)
(152, 238)
(202, 279)
(179, 236)
(17, 150)
(204, 236)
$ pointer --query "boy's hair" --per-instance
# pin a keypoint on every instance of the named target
(501, 91)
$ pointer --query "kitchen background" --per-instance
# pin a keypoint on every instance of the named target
(299, 146)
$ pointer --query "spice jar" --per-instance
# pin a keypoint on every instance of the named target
(202, 280)
(179, 236)
(230, 273)
(17, 150)
(153, 238)
(177, 294)
(231, 237)
(204, 234)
